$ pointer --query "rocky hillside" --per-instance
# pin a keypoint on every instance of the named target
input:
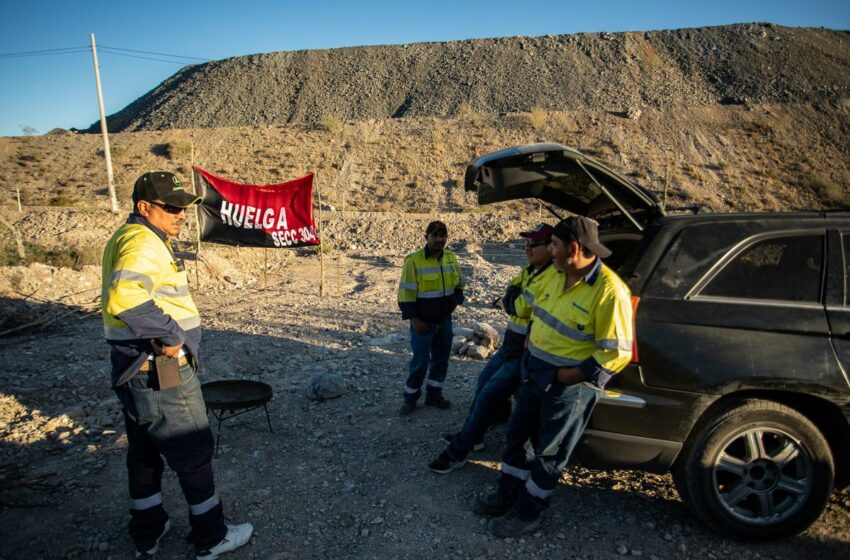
(737, 64)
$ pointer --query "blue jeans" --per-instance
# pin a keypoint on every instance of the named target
(172, 424)
(557, 419)
(430, 355)
(496, 383)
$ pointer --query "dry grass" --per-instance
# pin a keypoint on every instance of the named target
(331, 122)
(178, 150)
(466, 113)
(76, 257)
(829, 193)
(387, 156)
(538, 117)
(61, 200)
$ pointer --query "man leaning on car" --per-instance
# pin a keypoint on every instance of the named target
(580, 336)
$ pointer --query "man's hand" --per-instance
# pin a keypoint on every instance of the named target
(570, 375)
(170, 351)
(419, 325)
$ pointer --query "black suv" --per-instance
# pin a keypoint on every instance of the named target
(738, 383)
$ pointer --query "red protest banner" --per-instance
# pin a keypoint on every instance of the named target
(277, 215)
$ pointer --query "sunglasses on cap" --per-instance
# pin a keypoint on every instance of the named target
(167, 207)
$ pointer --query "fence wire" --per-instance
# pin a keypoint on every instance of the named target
(274, 273)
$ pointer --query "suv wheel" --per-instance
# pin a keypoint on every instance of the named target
(760, 470)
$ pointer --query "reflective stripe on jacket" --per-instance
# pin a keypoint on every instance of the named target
(430, 289)
(588, 325)
(145, 295)
(530, 284)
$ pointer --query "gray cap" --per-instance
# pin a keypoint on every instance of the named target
(585, 231)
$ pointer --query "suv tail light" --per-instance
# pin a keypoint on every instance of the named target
(635, 302)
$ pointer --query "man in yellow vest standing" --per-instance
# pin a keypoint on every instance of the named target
(431, 287)
(580, 336)
(154, 330)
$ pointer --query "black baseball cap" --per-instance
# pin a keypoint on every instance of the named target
(164, 186)
(436, 226)
(585, 231)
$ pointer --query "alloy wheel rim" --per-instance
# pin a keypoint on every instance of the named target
(762, 476)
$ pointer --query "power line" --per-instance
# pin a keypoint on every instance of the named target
(104, 49)
(156, 53)
(182, 63)
(46, 52)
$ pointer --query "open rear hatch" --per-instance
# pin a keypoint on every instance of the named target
(566, 178)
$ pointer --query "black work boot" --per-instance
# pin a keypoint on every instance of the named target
(511, 525)
(496, 504)
(444, 463)
(438, 401)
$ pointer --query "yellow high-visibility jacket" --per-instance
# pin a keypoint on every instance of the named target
(588, 326)
(530, 285)
(518, 300)
(430, 289)
(145, 295)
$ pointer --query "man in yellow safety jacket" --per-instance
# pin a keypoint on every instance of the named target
(154, 330)
(431, 287)
(580, 336)
(500, 378)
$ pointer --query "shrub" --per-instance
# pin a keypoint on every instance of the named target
(538, 117)
(67, 257)
(61, 200)
(31, 156)
(467, 113)
(830, 193)
(178, 149)
(331, 122)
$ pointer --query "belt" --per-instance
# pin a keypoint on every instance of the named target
(148, 365)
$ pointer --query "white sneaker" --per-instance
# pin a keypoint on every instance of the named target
(155, 548)
(236, 536)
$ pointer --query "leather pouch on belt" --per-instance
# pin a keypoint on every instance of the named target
(168, 372)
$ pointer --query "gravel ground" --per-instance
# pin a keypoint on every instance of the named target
(344, 478)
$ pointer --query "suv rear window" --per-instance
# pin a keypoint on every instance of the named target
(785, 268)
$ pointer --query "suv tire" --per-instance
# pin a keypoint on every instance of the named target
(758, 470)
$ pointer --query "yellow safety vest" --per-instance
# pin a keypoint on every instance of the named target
(138, 267)
(531, 285)
(593, 318)
(430, 284)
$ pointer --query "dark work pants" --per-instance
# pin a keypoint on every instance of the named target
(430, 355)
(492, 403)
(556, 419)
(171, 424)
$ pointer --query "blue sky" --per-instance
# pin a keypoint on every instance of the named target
(44, 92)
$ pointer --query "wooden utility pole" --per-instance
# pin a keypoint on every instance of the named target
(106, 153)
(197, 208)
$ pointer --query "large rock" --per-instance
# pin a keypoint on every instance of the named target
(457, 342)
(478, 352)
(488, 335)
(463, 331)
(324, 386)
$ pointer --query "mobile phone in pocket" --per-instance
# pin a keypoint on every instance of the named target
(167, 372)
